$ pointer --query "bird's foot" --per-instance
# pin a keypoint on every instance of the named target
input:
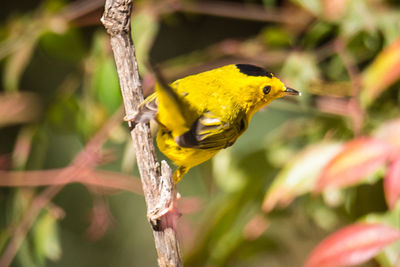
(161, 218)
(165, 214)
(130, 116)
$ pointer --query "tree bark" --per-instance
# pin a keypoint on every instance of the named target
(156, 179)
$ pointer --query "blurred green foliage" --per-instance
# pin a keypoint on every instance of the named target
(59, 87)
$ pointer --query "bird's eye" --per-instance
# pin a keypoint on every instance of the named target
(266, 89)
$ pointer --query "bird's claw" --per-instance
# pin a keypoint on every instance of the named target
(161, 218)
(130, 116)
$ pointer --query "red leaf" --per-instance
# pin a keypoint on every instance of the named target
(392, 183)
(358, 158)
(352, 245)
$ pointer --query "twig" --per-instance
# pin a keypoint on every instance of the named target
(81, 8)
(355, 108)
(252, 12)
(82, 161)
(157, 184)
(20, 232)
(89, 177)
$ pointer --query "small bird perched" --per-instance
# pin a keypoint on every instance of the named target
(203, 113)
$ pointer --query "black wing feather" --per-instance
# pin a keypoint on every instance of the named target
(208, 132)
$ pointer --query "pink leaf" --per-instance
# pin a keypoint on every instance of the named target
(300, 174)
(352, 245)
(392, 183)
(390, 132)
(358, 158)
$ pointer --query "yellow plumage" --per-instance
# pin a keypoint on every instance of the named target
(203, 113)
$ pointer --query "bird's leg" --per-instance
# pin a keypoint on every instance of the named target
(179, 173)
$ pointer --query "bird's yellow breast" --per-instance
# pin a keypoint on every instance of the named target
(182, 156)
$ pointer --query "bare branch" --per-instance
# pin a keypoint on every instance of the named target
(158, 189)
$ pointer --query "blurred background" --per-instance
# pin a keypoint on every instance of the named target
(70, 193)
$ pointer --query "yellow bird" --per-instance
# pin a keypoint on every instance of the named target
(203, 113)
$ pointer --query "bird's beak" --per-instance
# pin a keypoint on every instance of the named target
(291, 91)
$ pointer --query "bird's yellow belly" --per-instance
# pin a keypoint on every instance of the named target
(182, 156)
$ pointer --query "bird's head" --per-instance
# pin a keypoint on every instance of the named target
(262, 87)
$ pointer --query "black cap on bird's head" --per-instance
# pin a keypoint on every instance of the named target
(255, 71)
(252, 70)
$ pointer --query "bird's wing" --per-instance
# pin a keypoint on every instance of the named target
(209, 132)
(171, 105)
(173, 109)
(165, 105)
